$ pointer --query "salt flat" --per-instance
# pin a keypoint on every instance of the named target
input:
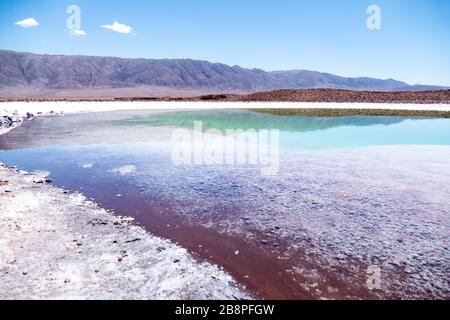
(82, 107)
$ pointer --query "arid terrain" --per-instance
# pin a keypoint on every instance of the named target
(287, 95)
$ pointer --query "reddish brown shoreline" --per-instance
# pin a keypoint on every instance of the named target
(257, 265)
(284, 95)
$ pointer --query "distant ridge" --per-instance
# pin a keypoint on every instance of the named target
(22, 73)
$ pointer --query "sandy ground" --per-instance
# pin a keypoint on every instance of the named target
(58, 245)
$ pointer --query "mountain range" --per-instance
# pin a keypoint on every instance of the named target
(27, 71)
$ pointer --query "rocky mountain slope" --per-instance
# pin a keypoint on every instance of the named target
(26, 71)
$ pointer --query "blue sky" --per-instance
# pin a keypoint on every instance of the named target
(325, 35)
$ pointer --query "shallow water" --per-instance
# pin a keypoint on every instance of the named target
(370, 189)
(298, 132)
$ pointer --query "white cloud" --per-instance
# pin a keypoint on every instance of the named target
(118, 27)
(77, 33)
(27, 23)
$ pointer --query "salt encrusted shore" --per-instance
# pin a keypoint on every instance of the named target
(9, 121)
(22, 107)
(59, 245)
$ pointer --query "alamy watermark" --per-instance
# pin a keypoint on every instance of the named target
(374, 20)
(233, 147)
(73, 22)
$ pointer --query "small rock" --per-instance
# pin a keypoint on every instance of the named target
(340, 257)
(176, 261)
(127, 220)
(120, 258)
(395, 263)
(133, 240)
(409, 270)
(264, 241)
